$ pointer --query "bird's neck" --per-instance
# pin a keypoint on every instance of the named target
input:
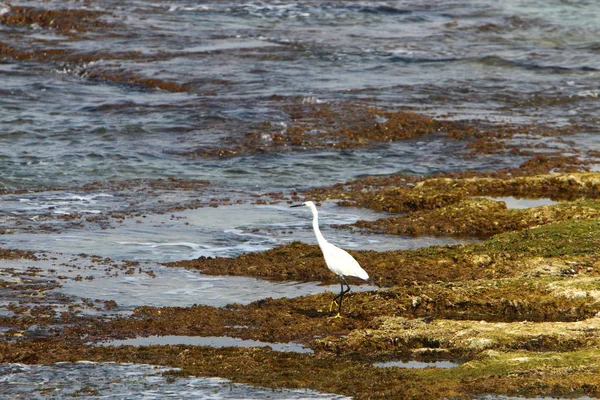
(318, 234)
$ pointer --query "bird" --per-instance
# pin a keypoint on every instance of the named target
(338, 260)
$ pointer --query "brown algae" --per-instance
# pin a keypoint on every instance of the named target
(401, 193)
(64, 21)
(512, 373)
(455, 207)
(503, 255)
(354, 125)
(480, 217)
(518, 310)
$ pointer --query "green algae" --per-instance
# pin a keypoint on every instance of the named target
(567, 238)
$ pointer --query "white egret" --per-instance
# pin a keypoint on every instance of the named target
(339, 261)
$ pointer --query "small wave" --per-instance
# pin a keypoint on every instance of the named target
(312, 100)
(382, 9)
(588, 93)
(497, 61)
(176, 8)
(59, 203)
(189, 245)
(291, 10)
(131, 381)
(196, 250)
(327, 11)
(415, 56)
(230, 251)
(418, 59)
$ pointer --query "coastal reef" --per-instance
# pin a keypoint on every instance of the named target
(140, 133)
(515, 311)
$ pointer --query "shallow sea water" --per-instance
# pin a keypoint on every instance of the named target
(211, 341)
(62, 128)
(474, 59)
(225, 231)
(417, 364)
(92, 380)
(151, 284)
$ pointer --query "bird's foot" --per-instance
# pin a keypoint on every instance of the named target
(332, 305)
(337, 316)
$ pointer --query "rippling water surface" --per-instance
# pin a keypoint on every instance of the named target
(512, 61)
(226, 70)
(128, 381)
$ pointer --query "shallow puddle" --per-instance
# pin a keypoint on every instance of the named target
(225, 231)
(150, 284)
(417, 364)
(210, 341)
(493, 397)
(86, 380)
(517, 203)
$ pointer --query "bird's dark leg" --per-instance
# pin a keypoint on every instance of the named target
(340, 296)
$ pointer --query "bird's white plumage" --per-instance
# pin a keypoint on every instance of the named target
(339, 261)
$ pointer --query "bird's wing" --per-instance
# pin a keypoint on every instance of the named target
(340, 262)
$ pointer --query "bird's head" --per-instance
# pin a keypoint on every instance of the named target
(308, 204)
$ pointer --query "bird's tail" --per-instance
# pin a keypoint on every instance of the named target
(362, 274)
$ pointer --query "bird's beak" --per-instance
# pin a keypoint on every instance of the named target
(297, 205)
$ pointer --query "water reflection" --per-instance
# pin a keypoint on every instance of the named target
(210, 341)
(521, 203)
(417, 364)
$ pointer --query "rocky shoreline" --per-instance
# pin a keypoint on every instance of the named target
(517, 310)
